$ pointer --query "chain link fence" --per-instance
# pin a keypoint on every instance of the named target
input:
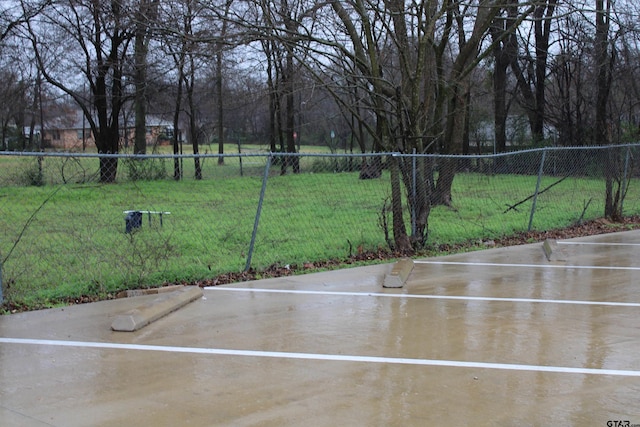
(65, 232)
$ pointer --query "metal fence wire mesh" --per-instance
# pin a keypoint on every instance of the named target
(63, 231)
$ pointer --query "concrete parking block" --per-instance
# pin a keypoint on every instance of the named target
(399, 274)
(152, 291)
(159, 307)
(553, 251)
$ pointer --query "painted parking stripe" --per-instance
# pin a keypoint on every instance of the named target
(598, 244)
(323, 357)
(419, 296)
(544, 266)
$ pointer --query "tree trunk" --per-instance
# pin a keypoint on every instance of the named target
(419, 198)
(501, 55)
(454, 134)
(220, 104)
(107, 141)
(177, 169)
(288, 86)
(400, 237)
(140, 82)
(108, 169)
(274, 101)
(446, 174)
(289, 128)
(195, 142)
(603, 87)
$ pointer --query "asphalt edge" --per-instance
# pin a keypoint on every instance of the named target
(145, 314)
(399, 273)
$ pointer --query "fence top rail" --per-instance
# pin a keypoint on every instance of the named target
(321, 155)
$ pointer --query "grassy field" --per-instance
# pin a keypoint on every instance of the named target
(28, 170)
(60, 241)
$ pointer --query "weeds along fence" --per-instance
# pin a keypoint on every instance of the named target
(65, 233)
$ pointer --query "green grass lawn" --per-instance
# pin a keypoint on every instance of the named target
(71, 241)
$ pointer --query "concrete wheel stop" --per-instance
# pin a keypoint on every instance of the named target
(152, 291)
(553, 251)
(161, 306)
(399, 274)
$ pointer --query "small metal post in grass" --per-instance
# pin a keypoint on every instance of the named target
(535, 195)
(1, 297)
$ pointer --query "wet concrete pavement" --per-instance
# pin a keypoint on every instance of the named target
(498, 337)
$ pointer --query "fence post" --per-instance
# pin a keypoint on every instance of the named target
(265, 177)
(535, 195)
(1, 297)
(414, 194)
(623, 191)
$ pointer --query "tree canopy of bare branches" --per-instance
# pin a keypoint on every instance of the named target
(405, 77)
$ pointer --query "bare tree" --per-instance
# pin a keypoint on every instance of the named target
(88, 40)
(16, 91)
(605, 55)
(189, 80)
(532, 73)
(219, 51)
(411, 63)
(14, 14)
(184, 43)
(278, 23)
(144, 16)
(417, 61)
(505, 53)
(174, 44)
(569, 82)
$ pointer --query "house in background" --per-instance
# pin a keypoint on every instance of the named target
(69, 131)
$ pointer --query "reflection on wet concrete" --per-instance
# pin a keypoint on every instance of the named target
(42, 384)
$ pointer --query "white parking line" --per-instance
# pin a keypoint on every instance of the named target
(598, 244)
(545, 266)
(323, 357)
(418, 296)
